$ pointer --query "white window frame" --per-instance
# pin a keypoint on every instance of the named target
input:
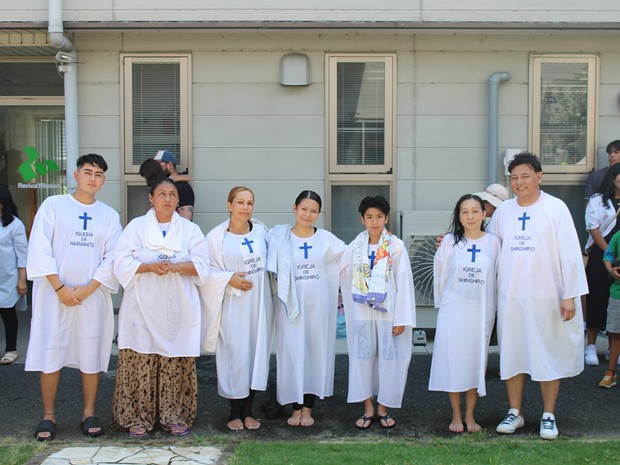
(564, 172)
(331, 67)
(184, 61)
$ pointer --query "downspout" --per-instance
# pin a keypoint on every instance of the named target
(66, 60)
(492, 139)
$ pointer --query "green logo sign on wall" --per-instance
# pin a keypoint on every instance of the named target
(31, 168)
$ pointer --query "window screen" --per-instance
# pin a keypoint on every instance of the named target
(156, 109)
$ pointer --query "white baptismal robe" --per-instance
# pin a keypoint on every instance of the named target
(238, 325)
(160, 314)
(13, 255)
(378, 361)
(306, 346)
(464, 281)
(75, 241)
(540, 265)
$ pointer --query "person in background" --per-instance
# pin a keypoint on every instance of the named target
(168, 163)
(611, 257)
(304, 262)
(379, 301)
(492, 196)
(541, 279)
(237, 321)
(595, 179)
(159, 260)
(601, 223)
(465, 269)
(13, 253)
(71, 266)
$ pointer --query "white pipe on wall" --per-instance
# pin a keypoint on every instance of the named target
(67, 64)
(493, 123)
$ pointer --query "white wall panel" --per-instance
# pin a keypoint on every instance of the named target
(320, 10)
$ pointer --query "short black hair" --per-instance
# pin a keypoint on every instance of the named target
(613, 145)
(379, 202)
(525, 158)
(93, 159)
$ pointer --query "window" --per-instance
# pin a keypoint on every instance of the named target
(360, 113)
(156, 114)
(563, 111)
(360, 132)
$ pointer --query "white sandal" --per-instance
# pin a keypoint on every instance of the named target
(8, 358)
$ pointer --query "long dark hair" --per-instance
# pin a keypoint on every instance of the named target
(457, 229)
(9, 209)
(607, 187)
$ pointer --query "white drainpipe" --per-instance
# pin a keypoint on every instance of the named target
(492, 136)
(67, 64)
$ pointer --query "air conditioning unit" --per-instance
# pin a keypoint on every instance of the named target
(419, 230)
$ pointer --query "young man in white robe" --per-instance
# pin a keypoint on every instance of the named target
(70, 264)
(379, 302)
(540, 281)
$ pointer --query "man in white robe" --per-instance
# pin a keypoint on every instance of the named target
(540, 281)
(70, 263)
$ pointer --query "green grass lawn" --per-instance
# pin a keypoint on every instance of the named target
(19, 453)
(474, 449)
(431, 452)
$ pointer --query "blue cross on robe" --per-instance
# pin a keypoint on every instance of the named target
(249, 244)
(85, 218)
(524, 218)
(305, 248)
(474, 250)
(372, 257)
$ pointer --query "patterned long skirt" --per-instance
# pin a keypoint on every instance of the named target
(151, 388)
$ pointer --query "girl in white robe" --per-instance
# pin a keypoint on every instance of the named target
(160, 258)
(238, 309)
(305, 266)
(465, 276)
(379, 304)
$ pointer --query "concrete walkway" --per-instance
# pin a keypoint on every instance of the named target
(171, 455)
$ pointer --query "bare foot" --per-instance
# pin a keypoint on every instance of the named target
(306, 417)
(456, 426)
(295, 418)
(251, 423)
(235, 425)
(472, 426)
(137, 431)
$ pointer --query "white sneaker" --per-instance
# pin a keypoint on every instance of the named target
(591, 356)
(548, 428)
(511, 423)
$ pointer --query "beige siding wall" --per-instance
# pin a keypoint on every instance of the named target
(321, 10)
(247, 129)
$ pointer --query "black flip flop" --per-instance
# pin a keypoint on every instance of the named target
(365, 419)
(385, 419)
(45, 426)
(91, 422)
